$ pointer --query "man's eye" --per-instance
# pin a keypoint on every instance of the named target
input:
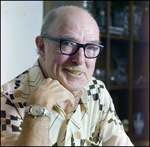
(92, 48)
(68, 43)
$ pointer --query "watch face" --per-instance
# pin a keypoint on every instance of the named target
(36, 110)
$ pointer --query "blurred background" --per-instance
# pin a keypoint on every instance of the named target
(123, 64)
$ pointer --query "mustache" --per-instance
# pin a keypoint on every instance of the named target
(76, 68)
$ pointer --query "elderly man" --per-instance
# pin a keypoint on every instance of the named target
(57, 101)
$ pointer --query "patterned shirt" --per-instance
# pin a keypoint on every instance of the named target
(94, 122)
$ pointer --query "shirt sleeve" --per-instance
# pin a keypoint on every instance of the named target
(112, 131)
(10, 121)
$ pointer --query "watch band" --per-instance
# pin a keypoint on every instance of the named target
(46, 112)
(27, 109)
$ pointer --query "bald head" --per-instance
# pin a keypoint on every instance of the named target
(60, 13)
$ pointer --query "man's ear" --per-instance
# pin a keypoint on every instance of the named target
(41, 47)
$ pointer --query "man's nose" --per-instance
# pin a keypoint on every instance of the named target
(79, 57)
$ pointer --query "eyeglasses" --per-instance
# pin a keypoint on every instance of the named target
(70, 47)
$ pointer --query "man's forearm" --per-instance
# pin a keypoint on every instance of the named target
(35, 131)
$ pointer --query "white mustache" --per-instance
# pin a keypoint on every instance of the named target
(76, 69)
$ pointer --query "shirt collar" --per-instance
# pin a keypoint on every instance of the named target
(84, 101)
(35, 76)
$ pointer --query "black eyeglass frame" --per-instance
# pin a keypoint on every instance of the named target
(60, 41)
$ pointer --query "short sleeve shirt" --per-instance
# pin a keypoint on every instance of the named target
(93, 122)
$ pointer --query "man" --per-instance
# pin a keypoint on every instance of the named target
(57, 101)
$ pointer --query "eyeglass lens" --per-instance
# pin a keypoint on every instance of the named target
(69, 48)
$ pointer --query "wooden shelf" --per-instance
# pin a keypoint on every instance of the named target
(114, 37)
(103, 35)
(140, 87)
(142, 40)
(118, 88)
(119, 37)
(126, 87)
(141, 143)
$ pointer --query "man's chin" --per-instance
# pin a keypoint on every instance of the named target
(73, 87)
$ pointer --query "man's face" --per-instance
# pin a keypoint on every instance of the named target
(74, 71)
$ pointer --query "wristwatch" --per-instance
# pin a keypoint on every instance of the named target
(37, 111)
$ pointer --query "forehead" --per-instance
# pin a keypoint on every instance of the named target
(75, 24)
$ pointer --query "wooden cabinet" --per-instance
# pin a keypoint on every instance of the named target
(124, 62)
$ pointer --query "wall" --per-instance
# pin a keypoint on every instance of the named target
(20, 24)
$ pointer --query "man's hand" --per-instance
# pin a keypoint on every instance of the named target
(49, 93)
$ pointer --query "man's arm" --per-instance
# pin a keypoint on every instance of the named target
(35, 131)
